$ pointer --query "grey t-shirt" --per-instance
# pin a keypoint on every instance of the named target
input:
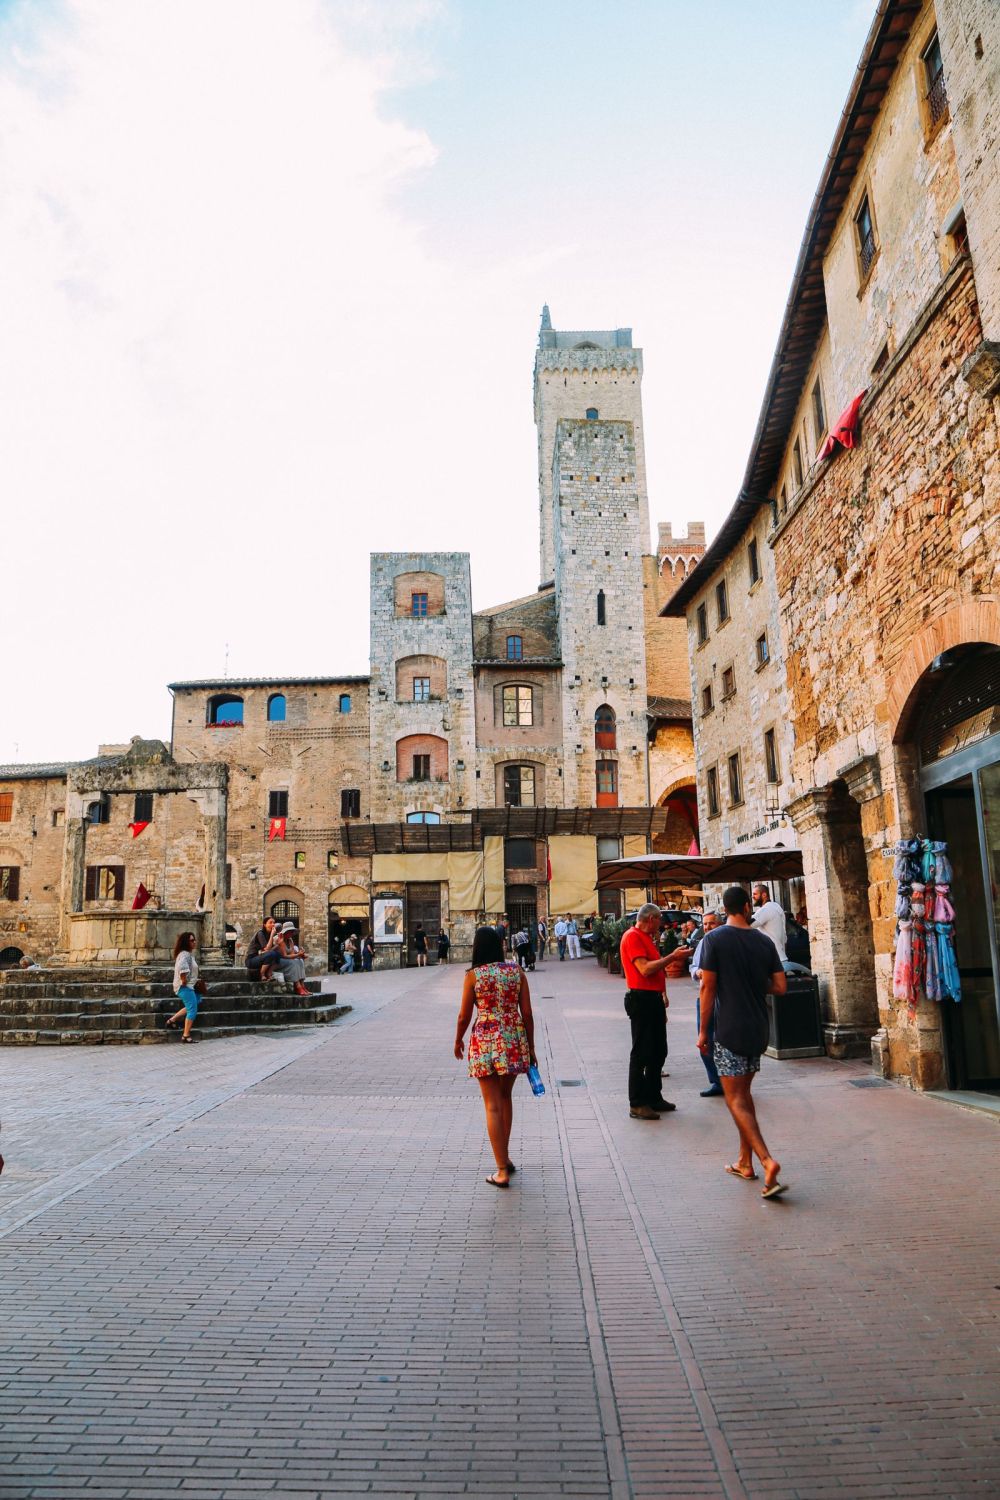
(743, 961)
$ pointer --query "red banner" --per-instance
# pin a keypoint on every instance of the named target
(277, 830)
(137, 828)
(142, 896)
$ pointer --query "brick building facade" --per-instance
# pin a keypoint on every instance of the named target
(884, 555)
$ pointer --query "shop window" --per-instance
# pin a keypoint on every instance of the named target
(607, 783)
(277, 804)
(753, 562)
(712, 788)
(721, 602)
(519, 854)
(421, 768)
(602, 608)
(702, 624)
(605, 728)
(514, 648)
(735, 780)
(519, 786)
(276, 708)
(421, 690)
(10, 882)
(771, 766)
(143, 807)
(728, 682)
(6, 806)
(707, 699)
(350, 802)
(423, 817)
(104, 883)
(225, 711)
(418, 606)
(763, 653)
(518, 706)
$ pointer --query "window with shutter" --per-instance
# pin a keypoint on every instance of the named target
(10, 882)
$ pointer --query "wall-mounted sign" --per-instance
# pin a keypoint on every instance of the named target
(387, 919)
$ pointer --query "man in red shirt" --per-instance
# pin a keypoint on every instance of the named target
(646, 1007)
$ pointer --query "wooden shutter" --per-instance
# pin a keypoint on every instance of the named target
(90, 884)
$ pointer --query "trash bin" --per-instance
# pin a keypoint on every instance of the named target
(794, 1017)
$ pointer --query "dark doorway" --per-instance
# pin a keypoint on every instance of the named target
(423, 906)
(340, 926)
(972, 1030)
(522, 909)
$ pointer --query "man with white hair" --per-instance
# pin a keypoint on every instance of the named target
(646, 1007)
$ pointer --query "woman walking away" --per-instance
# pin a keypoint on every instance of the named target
(185, 982)
(502, 1043)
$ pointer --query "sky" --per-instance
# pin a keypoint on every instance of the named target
(272, 279)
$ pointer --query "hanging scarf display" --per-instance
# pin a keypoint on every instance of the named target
(925, 965)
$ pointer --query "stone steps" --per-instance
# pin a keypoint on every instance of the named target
(109, 1027)
(145, 1036)
(128, 988)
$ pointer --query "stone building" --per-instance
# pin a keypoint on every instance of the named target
(885, 554)
(485, 765)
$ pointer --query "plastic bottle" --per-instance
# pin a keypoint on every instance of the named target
(535, 1079)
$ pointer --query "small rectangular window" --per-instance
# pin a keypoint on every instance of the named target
(277, 804)
(763, 654)
(229, 882)
(609, 848)
(722, 601)
(143, 807)
(819, 412)
(300, 859)
(797, 470)
(345, 703)
(728, 682)
(350, 802)
(421, 768)
(707, 699)
(865, 229)
(421, 689)
(735, 780)
(702, 624)
(331, 859)
(58, 817)
(771, 757)
(937, 96)
(518, 706)
(514, 648)
(519, 854)
(712, 787)
(100, 811)
(753, 562)
(783, 499)
(607, 778)
(418, 606)
(10, 882)
(6, 806)
(104, 883)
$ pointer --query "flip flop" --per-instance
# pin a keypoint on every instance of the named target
(775, 1190)
(734, 1171)
(511, 1169)
(495, 1182)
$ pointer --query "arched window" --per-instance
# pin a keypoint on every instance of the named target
(605, 728)
(602, 614)
(285, 911)
(591, 413)
(276, 707)
(225, 710)
(423, 817)
(345, 703)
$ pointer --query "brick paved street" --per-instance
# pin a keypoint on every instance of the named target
(271, 1265)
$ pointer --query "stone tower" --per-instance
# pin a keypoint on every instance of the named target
(600, 534)
(590, 372)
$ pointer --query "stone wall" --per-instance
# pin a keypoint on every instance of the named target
(32, 843)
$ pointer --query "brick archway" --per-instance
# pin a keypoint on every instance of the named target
(966, 625)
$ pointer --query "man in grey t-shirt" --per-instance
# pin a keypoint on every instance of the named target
(739, 968)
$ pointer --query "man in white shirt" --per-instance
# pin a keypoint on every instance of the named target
(560, 931)
(769, 918)
(572, 938)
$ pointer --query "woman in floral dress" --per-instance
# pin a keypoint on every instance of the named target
(502, 1043)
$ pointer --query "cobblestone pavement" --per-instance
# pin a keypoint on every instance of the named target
(271, 1265)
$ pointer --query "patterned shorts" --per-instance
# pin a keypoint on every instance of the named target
(732, 1065)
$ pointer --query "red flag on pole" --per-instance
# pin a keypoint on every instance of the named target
(142, 896)
(137, 828)
(845, 430)
(277, 829)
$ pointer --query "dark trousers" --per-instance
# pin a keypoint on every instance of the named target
(706, 1057)
(648, 1015)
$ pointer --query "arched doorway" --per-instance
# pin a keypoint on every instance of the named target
(952, 728)
(348, 913)
(680, 836)
(284, 903)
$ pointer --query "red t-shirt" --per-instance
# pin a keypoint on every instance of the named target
(636, 944)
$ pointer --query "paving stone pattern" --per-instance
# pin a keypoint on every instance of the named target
(298, 1283)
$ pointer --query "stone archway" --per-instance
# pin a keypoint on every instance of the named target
(680, 800)
(974, 622)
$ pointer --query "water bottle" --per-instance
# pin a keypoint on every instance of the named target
(535, 1079)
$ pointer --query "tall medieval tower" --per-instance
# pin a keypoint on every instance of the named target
(595, 374)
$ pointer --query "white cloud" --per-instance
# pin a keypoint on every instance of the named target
(230, 366)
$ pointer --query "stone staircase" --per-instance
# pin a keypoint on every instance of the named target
(93, 1006)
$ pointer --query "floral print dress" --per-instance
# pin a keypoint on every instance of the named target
(498, 1043)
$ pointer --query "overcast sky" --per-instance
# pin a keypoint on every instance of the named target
(272, 276)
